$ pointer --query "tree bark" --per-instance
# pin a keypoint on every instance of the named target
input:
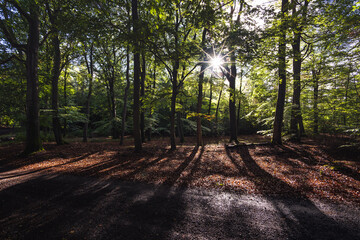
(199, 138)
(65, 102)
(55, 88)
(217, 112)
(136, 94)
(31, 49)
(153, 93)
(33, 142)
(295, 108)
(316, 97)
(296, 125)
(231, 76)
(279, 113)
(173, 105)
(210, 95)
(180, 127)
(346, 94)
(126, 91)
(90, 67)
(239, 106)
(142, 92)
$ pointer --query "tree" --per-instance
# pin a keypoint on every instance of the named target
(136, 95)
(298, 22)
(279, 114)
(200, 91)
(55, 74)
(30, 16)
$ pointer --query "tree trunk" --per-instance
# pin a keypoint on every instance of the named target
(33, 142)
(65, 102)
(88, 98)
(346, 94)
(232, 99)
(180, 127)
(142, 92)
(295, 108)
(217, 112)
(123, 115)
(173, 106)
(55, 88)
(279, 114)
(239, 106)
(316, 97)
(136, 95)
(114, 130)
(199, 138)
(210, 96)
(153, 93)
(296, 124)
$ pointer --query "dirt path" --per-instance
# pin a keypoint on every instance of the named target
(48, 206)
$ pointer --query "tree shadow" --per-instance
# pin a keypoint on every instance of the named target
(66, 207)
(177, 173)
(297, 223)
(187, 179)
(18, 174)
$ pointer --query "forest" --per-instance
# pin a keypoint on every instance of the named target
(178, 68)
(245, 97)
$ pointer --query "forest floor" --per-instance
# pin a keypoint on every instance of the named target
(314, 169)
(100, 190)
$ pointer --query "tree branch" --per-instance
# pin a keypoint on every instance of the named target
(21, 11)
(10, 37)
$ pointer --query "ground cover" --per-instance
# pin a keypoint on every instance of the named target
(315, 168)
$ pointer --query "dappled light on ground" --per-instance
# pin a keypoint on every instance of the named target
(303, 170)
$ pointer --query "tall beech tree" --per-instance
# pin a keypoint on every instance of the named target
(200, 91)
(279, 114)
(299, 13)
(136, 83)
(89, 61)
(29, 14)
(53, 13)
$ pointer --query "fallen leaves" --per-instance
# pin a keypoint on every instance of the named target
(304, 170)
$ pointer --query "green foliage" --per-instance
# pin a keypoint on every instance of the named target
(171, 31)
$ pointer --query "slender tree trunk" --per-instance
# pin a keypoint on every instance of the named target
(123, 115)
(174, 89)
(295, 108)
(239, 106)
(88, 98)
(296, 124)
(346, 95)
(232, 99)
(180, 127)
(114, 130)
(153, 93)
(136, 95)
(33, 142)
(142, 92)
(279, 114)
(173, 106)
(65, 102)
(217, 112)
(210, 97)
(316, 97)
(55, 88)
(199, 138)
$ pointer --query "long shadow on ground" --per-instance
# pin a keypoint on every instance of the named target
(72, 207)
(304, 221)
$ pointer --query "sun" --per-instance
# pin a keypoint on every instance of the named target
(216, 62)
